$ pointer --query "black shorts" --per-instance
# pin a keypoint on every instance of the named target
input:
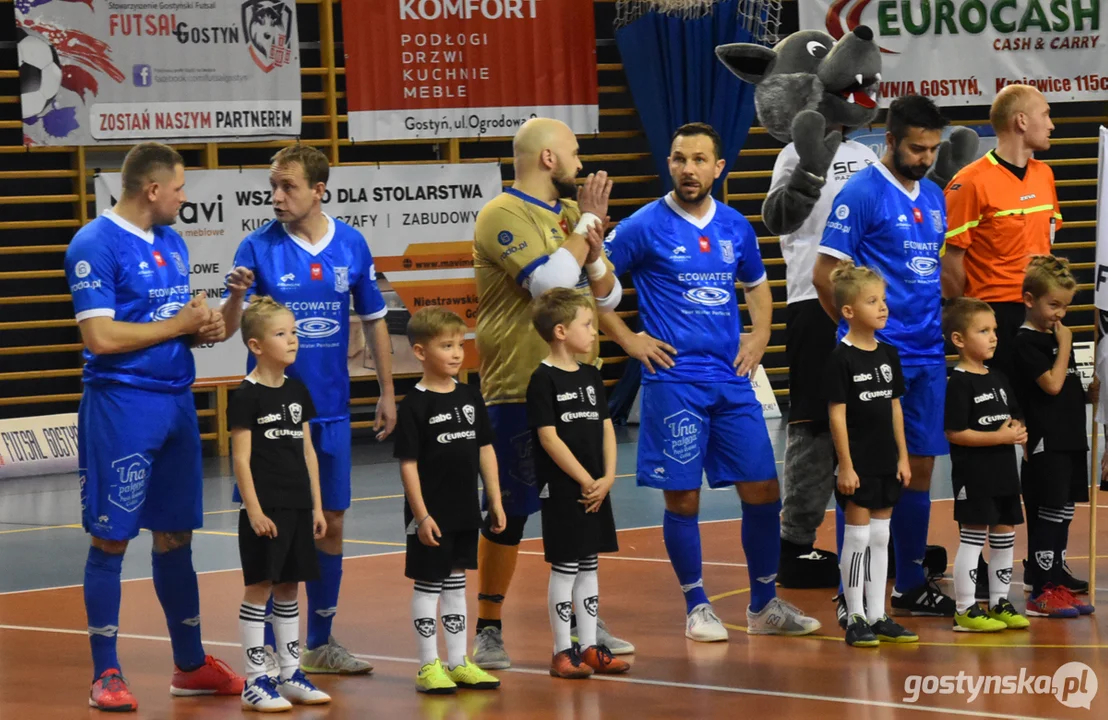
(288, 558)
(457, 550)
(1002, 510)
(570, 534)
(808, 345)
(1055, 479)
(1009, 317)
(874, 492)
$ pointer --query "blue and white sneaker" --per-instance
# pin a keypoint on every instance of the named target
(300, 690)
(260, 695)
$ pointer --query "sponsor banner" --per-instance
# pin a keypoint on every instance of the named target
(111, 71)
(417, 219)
(38, 445)
(962, 52)
(467, 68)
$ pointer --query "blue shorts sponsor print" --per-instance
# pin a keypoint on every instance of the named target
(690, 430)
(923, 404)
(519, 489)
(332, 443)
(139, 462)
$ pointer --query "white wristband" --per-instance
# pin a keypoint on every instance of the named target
(583, 224)
(596, 269)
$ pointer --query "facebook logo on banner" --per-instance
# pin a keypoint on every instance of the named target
(142, 76)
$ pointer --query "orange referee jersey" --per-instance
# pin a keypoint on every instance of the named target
(1001, 221)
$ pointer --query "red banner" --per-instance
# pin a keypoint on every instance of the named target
(467, 68)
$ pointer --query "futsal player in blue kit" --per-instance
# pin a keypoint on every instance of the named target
(314, 264)
(685, 253)
(138, 437)
(889, 217)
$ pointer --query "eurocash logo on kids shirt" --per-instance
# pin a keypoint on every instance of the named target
(1074, 685)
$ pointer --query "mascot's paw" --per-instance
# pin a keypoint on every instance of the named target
(803, 567)
(954, 154)
(815, 147)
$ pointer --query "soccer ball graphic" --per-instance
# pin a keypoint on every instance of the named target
(40, 75)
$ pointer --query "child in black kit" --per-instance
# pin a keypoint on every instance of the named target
(1055, 474)
(575, 462)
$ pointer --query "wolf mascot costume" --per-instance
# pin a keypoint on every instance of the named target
(810, 91)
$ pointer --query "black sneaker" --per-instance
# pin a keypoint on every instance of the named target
(805, 567)
(927, 599)
(859, 633)
(1069, 582)
(840, 609)
(888, 631)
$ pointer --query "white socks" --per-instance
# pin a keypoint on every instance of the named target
(252, 629)
(852, 567)
(1002, 549)
(877, 569)
(425, 601)
(559, 601)
(286, 632)
(965, 568)
(454, 618)
(586, 600)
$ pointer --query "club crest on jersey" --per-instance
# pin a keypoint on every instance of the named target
(180, 263)
(158, 259)
(917, 215)
(727, 249)
(937, 221)
(705, 244)
(470, 412)
(295, 412)
(592, 395)
(342, 279)
(887, 373)
(317, 271)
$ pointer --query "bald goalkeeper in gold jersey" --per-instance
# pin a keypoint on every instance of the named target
(528, 240)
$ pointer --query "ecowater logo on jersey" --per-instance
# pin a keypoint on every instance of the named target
(709, 296)
(317, 327)
(923, 266)
(166, 311)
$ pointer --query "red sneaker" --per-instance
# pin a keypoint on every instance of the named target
(1069, 596)
(1051, 604)
(600, 659)
(214, 677)
(110, 693)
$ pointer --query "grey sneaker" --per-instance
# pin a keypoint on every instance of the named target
(272, 667)
(780, 618)
(488, 650)
(615, 645)
(333, 659)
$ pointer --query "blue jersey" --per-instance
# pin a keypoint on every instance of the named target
(877, 223)
(116, 270)
(684, 270)
(316, 282)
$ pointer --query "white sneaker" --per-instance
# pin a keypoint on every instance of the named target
(300, 690)
(261, 696)
(703, 625)
(780, 618)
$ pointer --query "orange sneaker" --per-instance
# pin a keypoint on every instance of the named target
(110, 692)
(214, 677)
(601, 660)
(567, 664)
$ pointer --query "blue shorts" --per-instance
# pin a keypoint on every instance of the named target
(139, 462)
(689, 430)
(924, 403)
(332, 443)
(519, 489)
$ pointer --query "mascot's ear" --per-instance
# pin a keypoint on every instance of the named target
(750, 62)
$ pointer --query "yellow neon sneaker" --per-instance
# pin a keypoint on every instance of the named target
(469, 676)
(434, 680)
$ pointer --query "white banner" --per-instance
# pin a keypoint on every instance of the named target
(962, 52)
(417, 219)
(38, 445)
(104, 71)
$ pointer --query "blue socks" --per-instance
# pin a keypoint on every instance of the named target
(177, 589)
(911, 517)
(761, 535)
(840, 531)
(323, 599)
(102, 592)
(682, 537)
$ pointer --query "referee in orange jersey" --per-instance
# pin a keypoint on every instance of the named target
(1002, 209)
